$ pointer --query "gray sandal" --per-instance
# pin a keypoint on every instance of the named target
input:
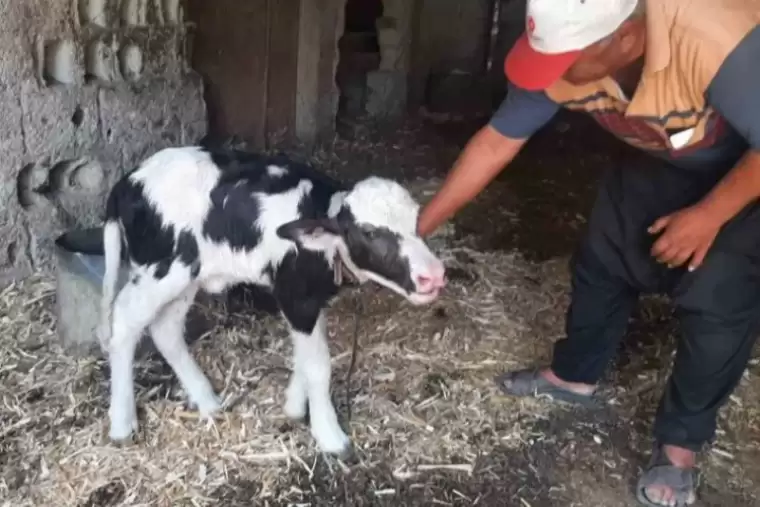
(661, 472)
(531, 383)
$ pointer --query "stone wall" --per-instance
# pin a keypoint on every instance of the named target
(87, 89)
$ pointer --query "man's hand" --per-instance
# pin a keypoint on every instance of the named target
(688, 235)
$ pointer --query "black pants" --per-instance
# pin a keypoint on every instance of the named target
(718, 305)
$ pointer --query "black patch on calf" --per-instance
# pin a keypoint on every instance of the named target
(233, 215)
(247, 297)
(376, 249)
(162, 268)
(235, 208)
(148, 241)
(257, 297)
(239, 165)
(303, 286)
(187, 252)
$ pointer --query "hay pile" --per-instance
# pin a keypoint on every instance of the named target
(422, 393)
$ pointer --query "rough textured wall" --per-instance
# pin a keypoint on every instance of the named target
(451, 36)
(511, 26)
(87, 89)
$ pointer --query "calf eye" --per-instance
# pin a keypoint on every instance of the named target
(371, 233)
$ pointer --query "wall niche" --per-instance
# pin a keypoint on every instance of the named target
(100, 62)
(59, 62)
(131, 62)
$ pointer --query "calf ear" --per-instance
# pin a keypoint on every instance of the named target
(311, 233)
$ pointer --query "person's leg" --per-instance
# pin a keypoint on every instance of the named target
(718, 307)
(612, 266)
(596, 321)
(601, 304)
(609, 269)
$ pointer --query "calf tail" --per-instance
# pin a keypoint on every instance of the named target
(112, 254)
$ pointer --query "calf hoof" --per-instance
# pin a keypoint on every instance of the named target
(344, 452)
(348, 455)
(122, 432)
(334, 442)
(123, 441)
(208, 407)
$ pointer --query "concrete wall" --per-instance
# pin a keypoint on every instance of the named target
(87, 89)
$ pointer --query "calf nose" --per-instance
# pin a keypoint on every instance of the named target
(424, 283)
(438, 274)
(435, 278)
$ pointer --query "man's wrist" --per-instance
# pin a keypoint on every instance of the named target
(739, 188)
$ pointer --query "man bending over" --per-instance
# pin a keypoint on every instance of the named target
(680, 80)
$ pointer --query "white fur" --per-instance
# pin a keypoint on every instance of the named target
(136, 307)
(382, 202)
(112, 244)
(178, 183)
(276, 171)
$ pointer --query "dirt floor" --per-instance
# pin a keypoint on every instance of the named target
(428, 424)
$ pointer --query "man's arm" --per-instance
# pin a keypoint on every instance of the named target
(688, 234)
(487, 153)
(735, 94)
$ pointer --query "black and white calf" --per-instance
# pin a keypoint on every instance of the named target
(193, 219)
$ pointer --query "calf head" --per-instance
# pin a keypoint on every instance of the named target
(373, 230)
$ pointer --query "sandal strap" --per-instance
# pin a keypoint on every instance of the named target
(530, 383)
(661, 472)
(681, 481)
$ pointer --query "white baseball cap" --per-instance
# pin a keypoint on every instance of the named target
(556, 32)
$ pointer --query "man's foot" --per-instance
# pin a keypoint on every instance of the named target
(670, 479)
(538, 382)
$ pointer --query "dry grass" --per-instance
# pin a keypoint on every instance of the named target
(423, 390)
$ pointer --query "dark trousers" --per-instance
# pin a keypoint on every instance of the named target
(718, 305)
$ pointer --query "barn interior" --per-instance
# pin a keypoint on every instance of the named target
(89, 88)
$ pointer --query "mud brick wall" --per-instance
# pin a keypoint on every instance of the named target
(87, 89)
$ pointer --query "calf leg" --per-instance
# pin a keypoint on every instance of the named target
(168, 335)
(311, 379)
(296, 396)
(134, 309)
